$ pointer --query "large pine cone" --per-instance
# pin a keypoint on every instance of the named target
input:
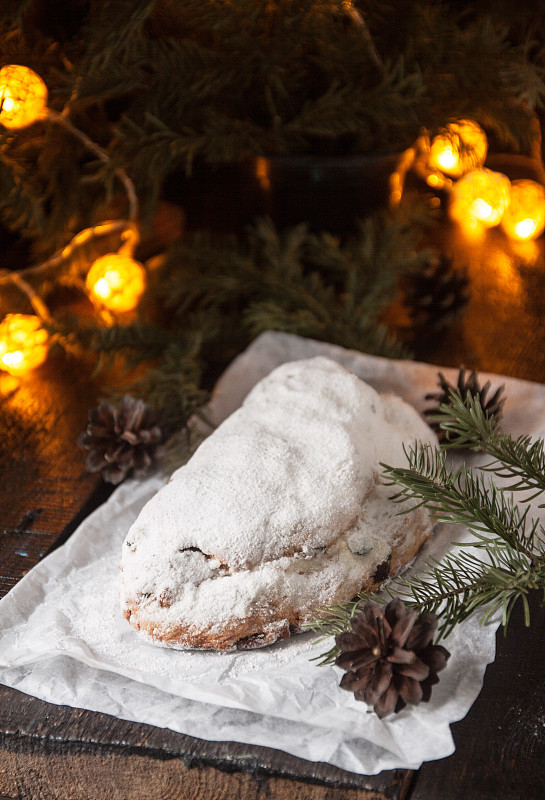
(121, 441)
(389, 657)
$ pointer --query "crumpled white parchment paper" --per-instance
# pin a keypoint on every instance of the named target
(62, 637)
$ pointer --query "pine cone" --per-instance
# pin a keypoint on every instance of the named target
(121, 440)
(389, 657)
(438, 295)
(492, 406)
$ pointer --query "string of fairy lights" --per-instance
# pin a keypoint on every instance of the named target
(478, 198)
(114, 282)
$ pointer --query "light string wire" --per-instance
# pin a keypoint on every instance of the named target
(127, 228)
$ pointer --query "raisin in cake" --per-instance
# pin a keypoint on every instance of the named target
(279, 512)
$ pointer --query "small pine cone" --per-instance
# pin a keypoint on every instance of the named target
(389, 657)
(492, 406)
(121, 440)
(438, 295)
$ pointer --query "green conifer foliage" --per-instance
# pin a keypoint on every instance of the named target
(164, 85)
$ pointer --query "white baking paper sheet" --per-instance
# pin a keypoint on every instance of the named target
(63, 639)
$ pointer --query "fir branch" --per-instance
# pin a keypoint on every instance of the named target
(137, 342)
(166, 85)
(20, 201)
(295, 281)
(463, 583)
(525, 76)
(460, 497)
(455, 588)
(103, 42)
(521, 460)
(509, 558)
(465, 422)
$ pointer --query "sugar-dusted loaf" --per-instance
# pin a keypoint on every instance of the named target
(279, 512)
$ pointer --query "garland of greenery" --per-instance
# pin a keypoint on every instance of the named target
(511, 545)
(170, 85)
(209, 297)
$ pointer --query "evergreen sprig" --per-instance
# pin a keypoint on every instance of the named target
(461, 497)
(210, 296)
(508, 557)
(137, 341)
(467, 426)
(169, 85)
(296, 281)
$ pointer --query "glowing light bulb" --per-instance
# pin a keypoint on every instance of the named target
(525, 228)
(102, 287)
(23, 343)
(460, 149)
(447, 160)
(481, 210)
(480, 198)
(23, 96)
(435, 180)
(13, 360)
(9, 103)
(525, 217)
(117, 282)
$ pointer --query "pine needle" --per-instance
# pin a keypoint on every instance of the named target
(507, 560)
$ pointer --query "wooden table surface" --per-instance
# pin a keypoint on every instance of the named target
(53, 752)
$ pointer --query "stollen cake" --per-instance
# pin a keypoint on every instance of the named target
(278, 513)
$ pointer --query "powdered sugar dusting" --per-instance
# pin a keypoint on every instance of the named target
(278, 512)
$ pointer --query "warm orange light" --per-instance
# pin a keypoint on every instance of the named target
(525, 217)
(525, 229)
(482, 211)
(435, 180)
(23, 343)
(263, 173)
(460, 149)
(117, 282)
(480, 198)
(23, 96)
(399, 175)
(447, 159)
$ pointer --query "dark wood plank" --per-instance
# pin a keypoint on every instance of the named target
(30, 727)
(104, 777)
(500, 745)
(43, 480)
